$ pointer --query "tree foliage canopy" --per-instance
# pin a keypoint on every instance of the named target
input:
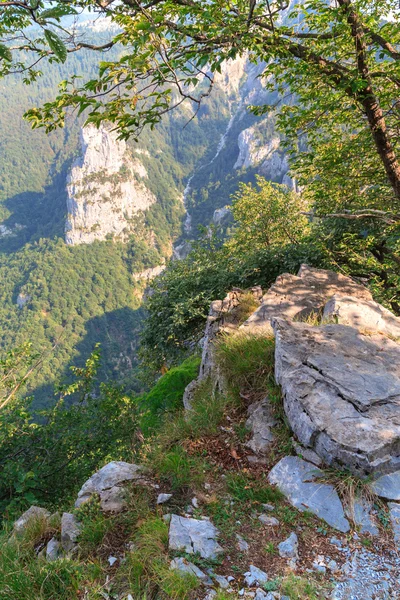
(341, 59)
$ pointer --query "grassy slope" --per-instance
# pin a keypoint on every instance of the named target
(182, 454)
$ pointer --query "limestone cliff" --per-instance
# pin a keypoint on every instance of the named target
(106, 188)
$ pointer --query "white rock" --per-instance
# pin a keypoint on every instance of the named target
(108, 484)
(362, 314)
(112, 560)
(52, 549)
(255, 576)
(184, 566)
(267, 520)
(162, 498)
(289, 548)
(242, 545)
(222, 581)
(296, 480)
(105, 188)
(193, 535)
(70, 530)
(33, 513)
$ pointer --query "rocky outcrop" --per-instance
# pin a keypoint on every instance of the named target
(148, 274)
(218, 320)
(301, 296)
(365, 315)
(106, 188)
(341, 393)
(108, 485)
(265, 154)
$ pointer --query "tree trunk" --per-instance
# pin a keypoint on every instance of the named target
(370, 101)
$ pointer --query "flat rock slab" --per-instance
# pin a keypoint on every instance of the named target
(193, 535)
(296, 479)
(107, 484)
(387, 486)
(297, 297)
(362, 314)
(341, 392)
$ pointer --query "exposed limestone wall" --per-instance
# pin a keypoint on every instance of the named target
(106, 188)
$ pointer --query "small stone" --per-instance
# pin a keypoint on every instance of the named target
(261, 595)
(336, 542)
(222, 581)
(207, 486)
(52, 549)
(182, 565)
(33, 513)
(268, 507)
(319, 567)
(289, 547)
(242, 545)
(193, 535)
(270, 521)
(112, 560)
(162, 498)
(394, 510)
(241, 592)
(211, 595)
(70, 530)
(195, 503)
(333, 566)
(306, 453)
(130, 597)
(167, 518)
(255, 576)
(230, 578)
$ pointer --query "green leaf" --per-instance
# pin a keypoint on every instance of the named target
(56, 45)
(57, 12)
(5, 53)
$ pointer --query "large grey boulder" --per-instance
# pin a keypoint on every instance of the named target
(108, 482)
(193, 535)
(260, 422)
(341, 393)
(297, 480)
(70, 530)
(362, 314)
(297, 297)
(33, 513)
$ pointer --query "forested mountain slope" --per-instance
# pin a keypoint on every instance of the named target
(70, 297)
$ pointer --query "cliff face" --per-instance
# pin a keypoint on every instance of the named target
(106, 188)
